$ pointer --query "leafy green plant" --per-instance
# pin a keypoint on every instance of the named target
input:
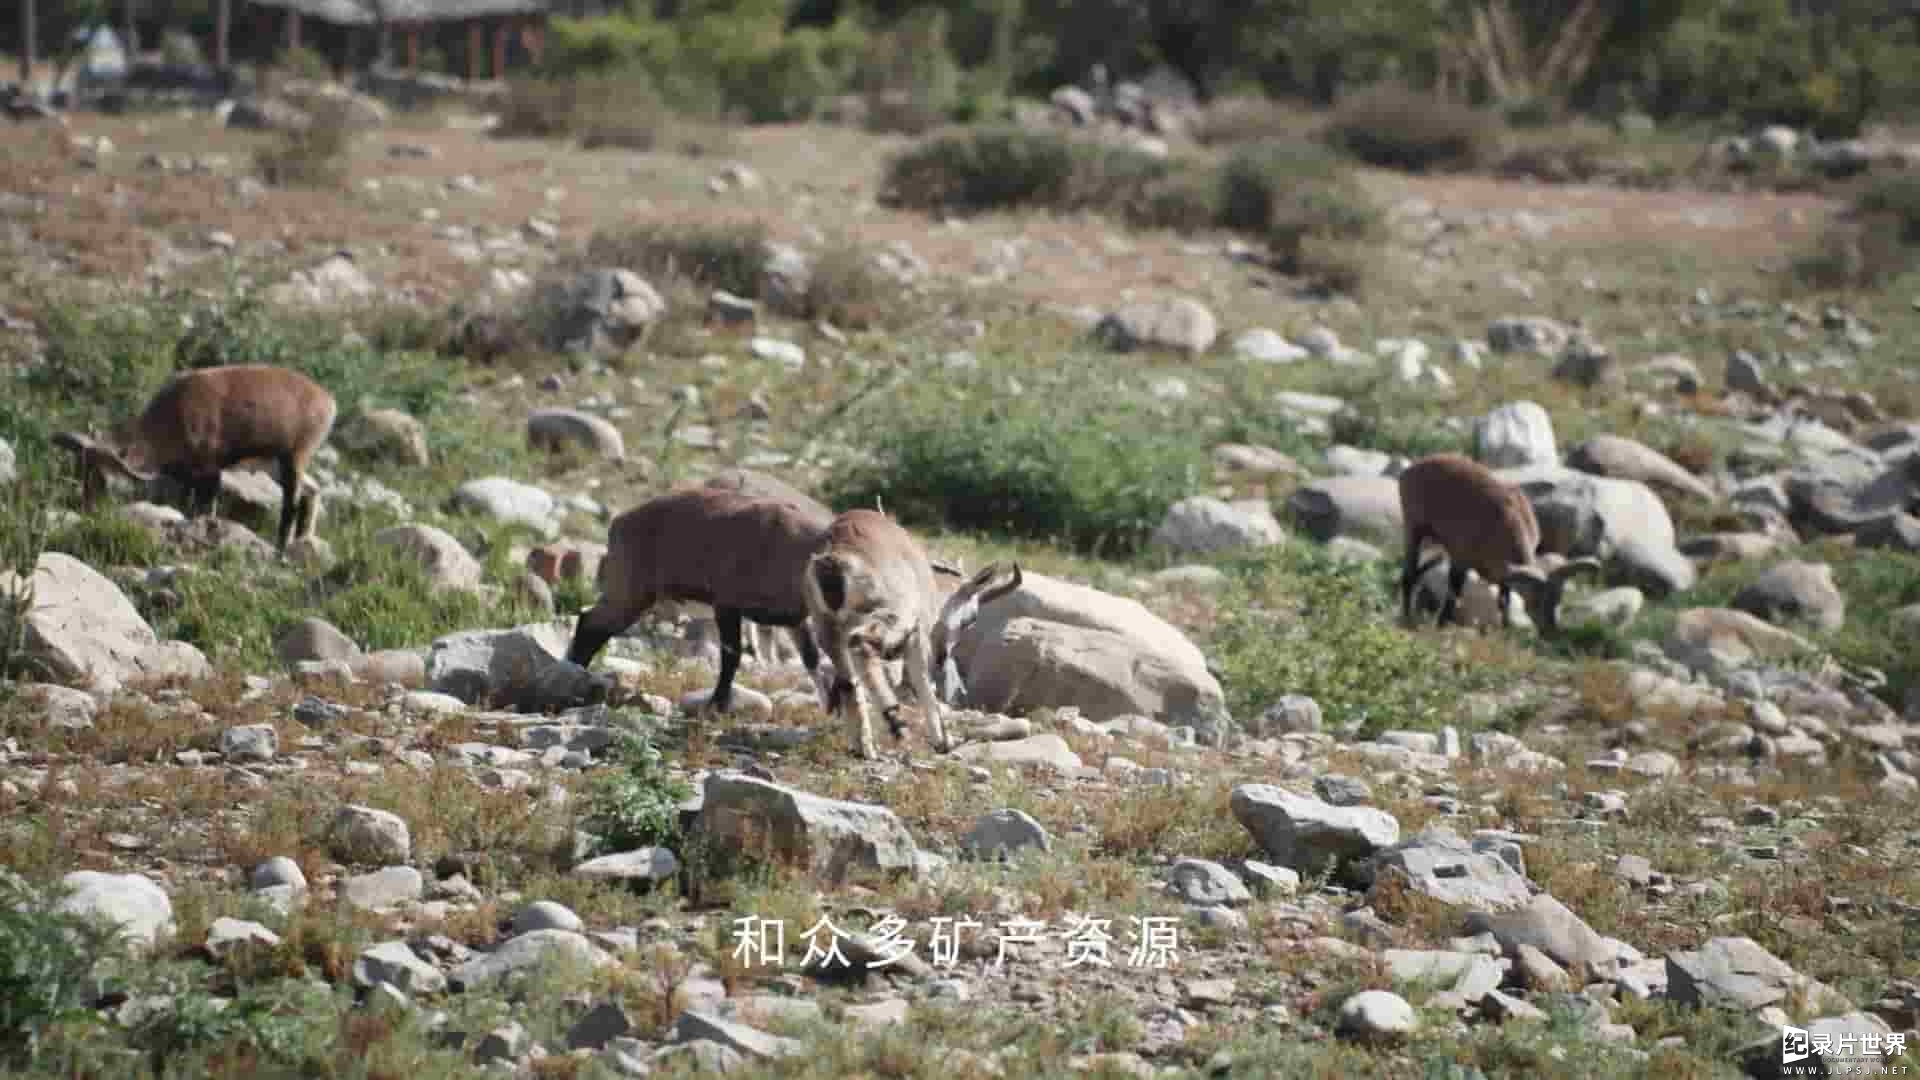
(1085, 468)
(635, 803)
(314, 155)
(1416, 132)
(1300, 621)
(47, 964)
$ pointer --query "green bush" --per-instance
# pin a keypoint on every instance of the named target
(625, 108)
(636, 802)
(1300, 198)
(47, 965)
(1301, 621)
(1394, 128)
(742, 61)
(314, 156)
(729, 257)
(991, 169)
(1080, 465)
(1873, 243)
(1004, 168)
(1290, 191)
(1895, 201)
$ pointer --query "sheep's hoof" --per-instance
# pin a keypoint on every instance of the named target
(895, 727)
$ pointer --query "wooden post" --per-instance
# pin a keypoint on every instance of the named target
(413, 49)
(293, 28)
(28, 21)
(500, 28)
(131, 33)
(475, 47)
(222, 27)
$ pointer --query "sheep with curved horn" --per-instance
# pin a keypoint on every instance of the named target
(1486, 525)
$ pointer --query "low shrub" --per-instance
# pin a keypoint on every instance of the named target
(990, 169)
(1306, 204)
(1300, 198)
(47, 964)
(1395, 128)
(624, 109)
(313, 156)
(1895, 201)
(729, 257)
(1301, 621)
(1082, 466)
(1231, 121)
(1872, 243)
(636, 803)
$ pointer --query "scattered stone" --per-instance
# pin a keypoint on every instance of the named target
(1198, 881)
(700, 1025)
(649, 865)
(1376, 1014)
(395, 964)
(249, 743)
(1304, 833)
(1001, 833)
(132, 902)
(545, 915)
(555, 429)
(1795, 589)
(1204, 525)
(1736, 971)
(827, 836)
(384, 888)
(1437, 863)
(524, 953)
(361, 834)
(1176, 323)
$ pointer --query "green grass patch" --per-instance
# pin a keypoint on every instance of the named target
(1299, 621)
(1090, 467)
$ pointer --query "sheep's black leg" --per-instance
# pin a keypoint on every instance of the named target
(289, 499)
(1408, 575)
(728, 619)
(809, 652)
(1456, 583)
(205, 493)
(1506, 593)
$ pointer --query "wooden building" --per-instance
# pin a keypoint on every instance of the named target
(490, 34)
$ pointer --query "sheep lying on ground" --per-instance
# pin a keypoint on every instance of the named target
(871, 597)
(207, 420)
(1486, 525)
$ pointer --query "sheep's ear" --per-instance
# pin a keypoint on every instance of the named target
(988, 585)
(1584, 564)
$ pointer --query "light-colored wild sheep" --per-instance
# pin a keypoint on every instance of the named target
(740, 555)
(871, 596)
(1486, 525)
(207, 420)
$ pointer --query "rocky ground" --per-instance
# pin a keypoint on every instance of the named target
(1218, 813)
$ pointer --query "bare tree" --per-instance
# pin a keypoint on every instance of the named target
(1521, 65)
